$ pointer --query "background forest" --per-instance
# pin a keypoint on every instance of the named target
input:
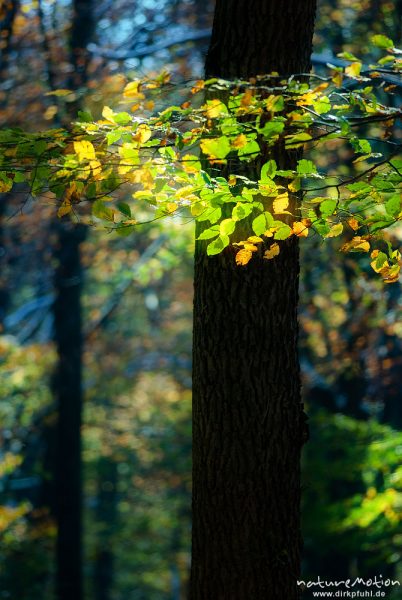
(58, 57)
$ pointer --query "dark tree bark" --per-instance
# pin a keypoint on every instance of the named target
(68, 391)
(107, 516)
(248, 420)
(69, 342)
(4, 293)
(81, 33)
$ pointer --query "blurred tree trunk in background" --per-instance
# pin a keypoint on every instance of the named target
(68, 391)
(69, 342)
(8, 10)
(248, 422)
(107, 514)
(4, 295)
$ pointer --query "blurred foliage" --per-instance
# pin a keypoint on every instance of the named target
(137, 320)
(26, 532)
(357, 502)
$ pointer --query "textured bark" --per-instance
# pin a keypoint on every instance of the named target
(106, 515)
(83, 25)
(69, 342)
(248, 420)
(251, 37)
(68, 392)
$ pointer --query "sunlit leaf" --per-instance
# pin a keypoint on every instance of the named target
(356, 244)
(272, 251)
(243, 257)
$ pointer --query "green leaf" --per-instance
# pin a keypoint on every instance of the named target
(295, 141)
(362, 146)
(268, 170)
(207, 234)
(125, 230)
(217, 245)
(84, 116)
(122, 118)
(393, 205)
(327, 207)
(382, 41)
(274, 103)
(249, 151)
(241, 211)
(262, 223)
(227, 226)
(101, 211)
(335, 230)
(216, 147)
(306, 167)
(283, 232)
(347, 56)
(211, 214)
(112, 137)
(322, 105)
(271, 129)
(40, 147)
(124, 209)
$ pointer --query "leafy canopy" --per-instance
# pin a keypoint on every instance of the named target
(218, 156)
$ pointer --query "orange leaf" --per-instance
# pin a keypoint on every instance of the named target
(272, 251)
(243, 257)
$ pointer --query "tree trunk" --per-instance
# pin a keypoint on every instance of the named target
(68, 391)
(248, 421)
(69, 341)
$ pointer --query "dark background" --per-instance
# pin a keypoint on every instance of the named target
(136, 298)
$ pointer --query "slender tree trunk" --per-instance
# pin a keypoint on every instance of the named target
(69, 341)
(68, 390)
(4, 294)
(107, 515)
(248, 422)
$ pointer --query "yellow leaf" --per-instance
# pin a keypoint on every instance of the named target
(353, 223)
(142, 134)
(240, 141)
(232, 180)
(384, 266)
(353, 70)
(321, 87)
(108, 113)
(337, 78)
(300, 229)
(335, 231)
(132, 90)
(243, 257)
(84, 150)
(190, 163)
(391, 275)
(357, 244)
(254, 239)
(281, 203)
(247, 98)
(171, 206)
(250, 247)
(5, 186)
(198, 86)
(214, 108)
(64, 209)
(59, 93)
(306, 99)
(272, 251)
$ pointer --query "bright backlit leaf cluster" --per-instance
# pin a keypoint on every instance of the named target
(222, 157)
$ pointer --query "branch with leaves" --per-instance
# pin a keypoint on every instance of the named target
(188, 160)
